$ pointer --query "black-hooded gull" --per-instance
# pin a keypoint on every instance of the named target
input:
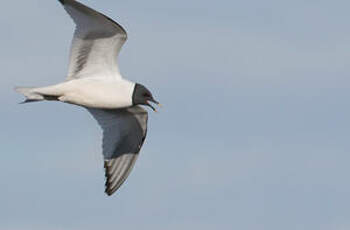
(94, 82)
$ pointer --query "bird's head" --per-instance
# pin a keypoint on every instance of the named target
(142, 96)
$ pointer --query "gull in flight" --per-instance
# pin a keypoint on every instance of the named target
(95, 83)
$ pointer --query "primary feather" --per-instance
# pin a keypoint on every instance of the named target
(96, 43)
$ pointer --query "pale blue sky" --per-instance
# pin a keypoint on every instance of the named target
(254, 133)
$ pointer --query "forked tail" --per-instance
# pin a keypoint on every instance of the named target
(36, 94)
(30, 94)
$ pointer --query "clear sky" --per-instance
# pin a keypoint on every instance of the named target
(254, 133)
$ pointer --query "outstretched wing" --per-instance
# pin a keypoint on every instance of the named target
(96, 43)
(124, 131)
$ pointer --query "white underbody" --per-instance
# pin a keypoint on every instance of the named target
(92, 92)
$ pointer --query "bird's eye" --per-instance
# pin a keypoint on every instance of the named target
(146, 95)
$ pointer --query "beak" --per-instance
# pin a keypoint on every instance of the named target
(155, 102)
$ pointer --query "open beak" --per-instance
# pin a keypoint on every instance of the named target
(155, 102)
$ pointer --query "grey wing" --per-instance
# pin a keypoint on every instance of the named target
(96, 43)
(124, 131)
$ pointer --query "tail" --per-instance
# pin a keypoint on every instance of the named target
(30, 94)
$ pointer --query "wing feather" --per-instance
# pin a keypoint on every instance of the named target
(96, 43)
(124, 131)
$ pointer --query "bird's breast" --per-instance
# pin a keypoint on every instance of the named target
(95, 93)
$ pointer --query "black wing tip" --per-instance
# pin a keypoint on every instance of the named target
(108, 190)
(62, 2)
(109, 193)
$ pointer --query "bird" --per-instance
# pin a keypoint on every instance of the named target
(94, 82)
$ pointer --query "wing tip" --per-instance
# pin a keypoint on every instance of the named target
(62, 2)
(109, 192)
(76, 3)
